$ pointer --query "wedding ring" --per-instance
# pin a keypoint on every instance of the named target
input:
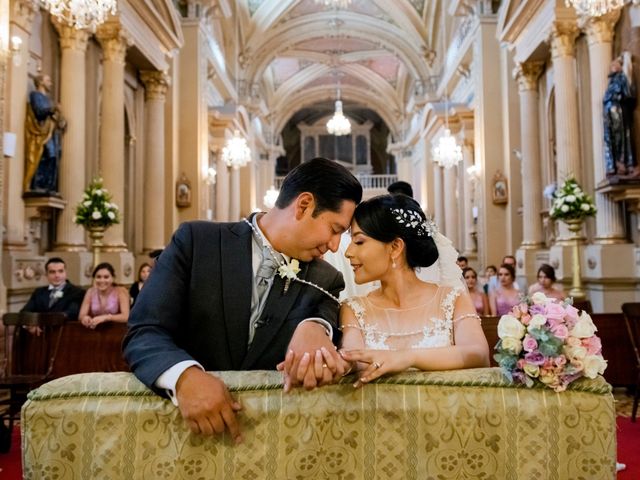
(376, 364)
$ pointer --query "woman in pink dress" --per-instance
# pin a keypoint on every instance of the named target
(546, 279)
(105, 301)
(503, 298)
(479, 298)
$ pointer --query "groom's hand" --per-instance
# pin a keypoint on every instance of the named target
(312, 359)
(206, 405)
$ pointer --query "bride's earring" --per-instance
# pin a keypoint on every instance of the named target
(393, 263)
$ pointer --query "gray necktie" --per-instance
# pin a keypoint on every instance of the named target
(264, 277)
(52, 297)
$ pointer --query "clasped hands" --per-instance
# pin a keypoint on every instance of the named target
(93, 322)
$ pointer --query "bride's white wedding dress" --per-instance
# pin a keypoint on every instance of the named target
(429, 325)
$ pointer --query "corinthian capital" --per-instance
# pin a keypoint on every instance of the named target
(114, 41)
(71, 38)
(600, 29)
(527, 74)
(563, 39)
(22, 12)
(155, 84)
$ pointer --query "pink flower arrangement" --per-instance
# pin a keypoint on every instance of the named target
(545, 341)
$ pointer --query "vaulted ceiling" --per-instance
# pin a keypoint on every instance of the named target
(292, 54)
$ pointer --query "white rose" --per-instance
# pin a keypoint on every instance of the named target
(111, 215)
(539, 298)
(571, 198)
(594, 365)
(564, 208)
(585, 206)
(584, 327)
(96, 215)
(512, 345)
(510, 327)
(575, 353)
(98, 192)
(87, 203)
(537, 320)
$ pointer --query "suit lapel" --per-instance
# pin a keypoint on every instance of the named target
(236, 287)
(274, 314)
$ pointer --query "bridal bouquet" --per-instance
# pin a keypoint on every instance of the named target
(546, 341)
(96, 209)
(571, 203)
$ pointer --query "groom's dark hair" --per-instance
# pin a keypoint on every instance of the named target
(328, 181)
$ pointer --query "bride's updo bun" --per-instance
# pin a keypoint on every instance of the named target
(387, 217)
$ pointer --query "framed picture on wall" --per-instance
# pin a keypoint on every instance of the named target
(183, 192)
(500, 189)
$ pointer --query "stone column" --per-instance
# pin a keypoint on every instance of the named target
(16, 82)
(609, 220)
(563, 36)
(438, 202)
(451, 205)
(527, 75)
(222, 189)
(234, 204)
(73, 46)
(469, 185)
(155, 84)
(111, 147)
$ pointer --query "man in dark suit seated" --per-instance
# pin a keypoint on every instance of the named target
(219, 299)
(59, 296)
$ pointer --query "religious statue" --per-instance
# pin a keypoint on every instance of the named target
(618, 103)
(43, 127)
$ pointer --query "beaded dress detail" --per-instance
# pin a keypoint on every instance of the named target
(429, 325)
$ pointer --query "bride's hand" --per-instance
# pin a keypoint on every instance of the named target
(380, 362)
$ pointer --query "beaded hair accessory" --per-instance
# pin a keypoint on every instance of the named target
(412, 219)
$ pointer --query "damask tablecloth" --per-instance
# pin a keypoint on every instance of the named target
(470, 424)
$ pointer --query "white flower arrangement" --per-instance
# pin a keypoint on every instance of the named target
(571, 203)
(96, 209)
(58, 294)
(289, 269)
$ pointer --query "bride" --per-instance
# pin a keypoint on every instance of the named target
(406, 323)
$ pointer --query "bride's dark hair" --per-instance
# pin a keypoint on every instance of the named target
(376, 218)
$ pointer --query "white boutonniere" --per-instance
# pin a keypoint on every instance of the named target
(58, 294)
(289, 270)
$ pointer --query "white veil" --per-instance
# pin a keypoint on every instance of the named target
(444, 272)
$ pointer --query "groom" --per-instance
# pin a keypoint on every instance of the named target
(209, 305)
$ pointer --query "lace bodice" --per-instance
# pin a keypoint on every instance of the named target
(429, 325)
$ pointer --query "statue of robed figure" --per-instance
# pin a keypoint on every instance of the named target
(43, 127)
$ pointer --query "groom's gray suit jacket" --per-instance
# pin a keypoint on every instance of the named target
(196, 305)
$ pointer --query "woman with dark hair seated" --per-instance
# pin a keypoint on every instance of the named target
(546, 279)
(505, 296)
(406, 323)
(479, 298)
(105, 301)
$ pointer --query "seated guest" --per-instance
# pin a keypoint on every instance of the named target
(504, 297)
(143, 274)
(490, 278)
(479, 298)
(105, 301)
(546, 279)
(462, 261)
(59, 296)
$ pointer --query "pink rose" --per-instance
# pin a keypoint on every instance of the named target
(572, 312)
(529, 343)
(561, 331)
(521, 363)
(560, 360)
(524, 308)
(555, 311)
(525, 319)
(592, 344)
(548, 364)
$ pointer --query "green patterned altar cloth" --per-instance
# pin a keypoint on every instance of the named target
(468, 424)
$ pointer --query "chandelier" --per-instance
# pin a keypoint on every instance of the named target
(81, 14)
(236, 152)
(447, 152)
(339, 125)
(594, 8)
(334, 3)
(270, 197)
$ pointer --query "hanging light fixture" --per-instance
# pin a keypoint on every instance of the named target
(81, 14)
(270, 197)
(594, 8)
(236, 153)
(334, 3)
(447, 153)
(338, 125)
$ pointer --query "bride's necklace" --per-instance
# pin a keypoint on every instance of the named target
(285, 269)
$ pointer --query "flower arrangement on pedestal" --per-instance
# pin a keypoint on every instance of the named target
(547, 342)
(571, 203)
(95, 213)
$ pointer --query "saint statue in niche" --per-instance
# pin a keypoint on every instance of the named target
(43, 128)
(618, 104)
(183, 192)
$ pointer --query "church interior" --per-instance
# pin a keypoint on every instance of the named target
(181, 110)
